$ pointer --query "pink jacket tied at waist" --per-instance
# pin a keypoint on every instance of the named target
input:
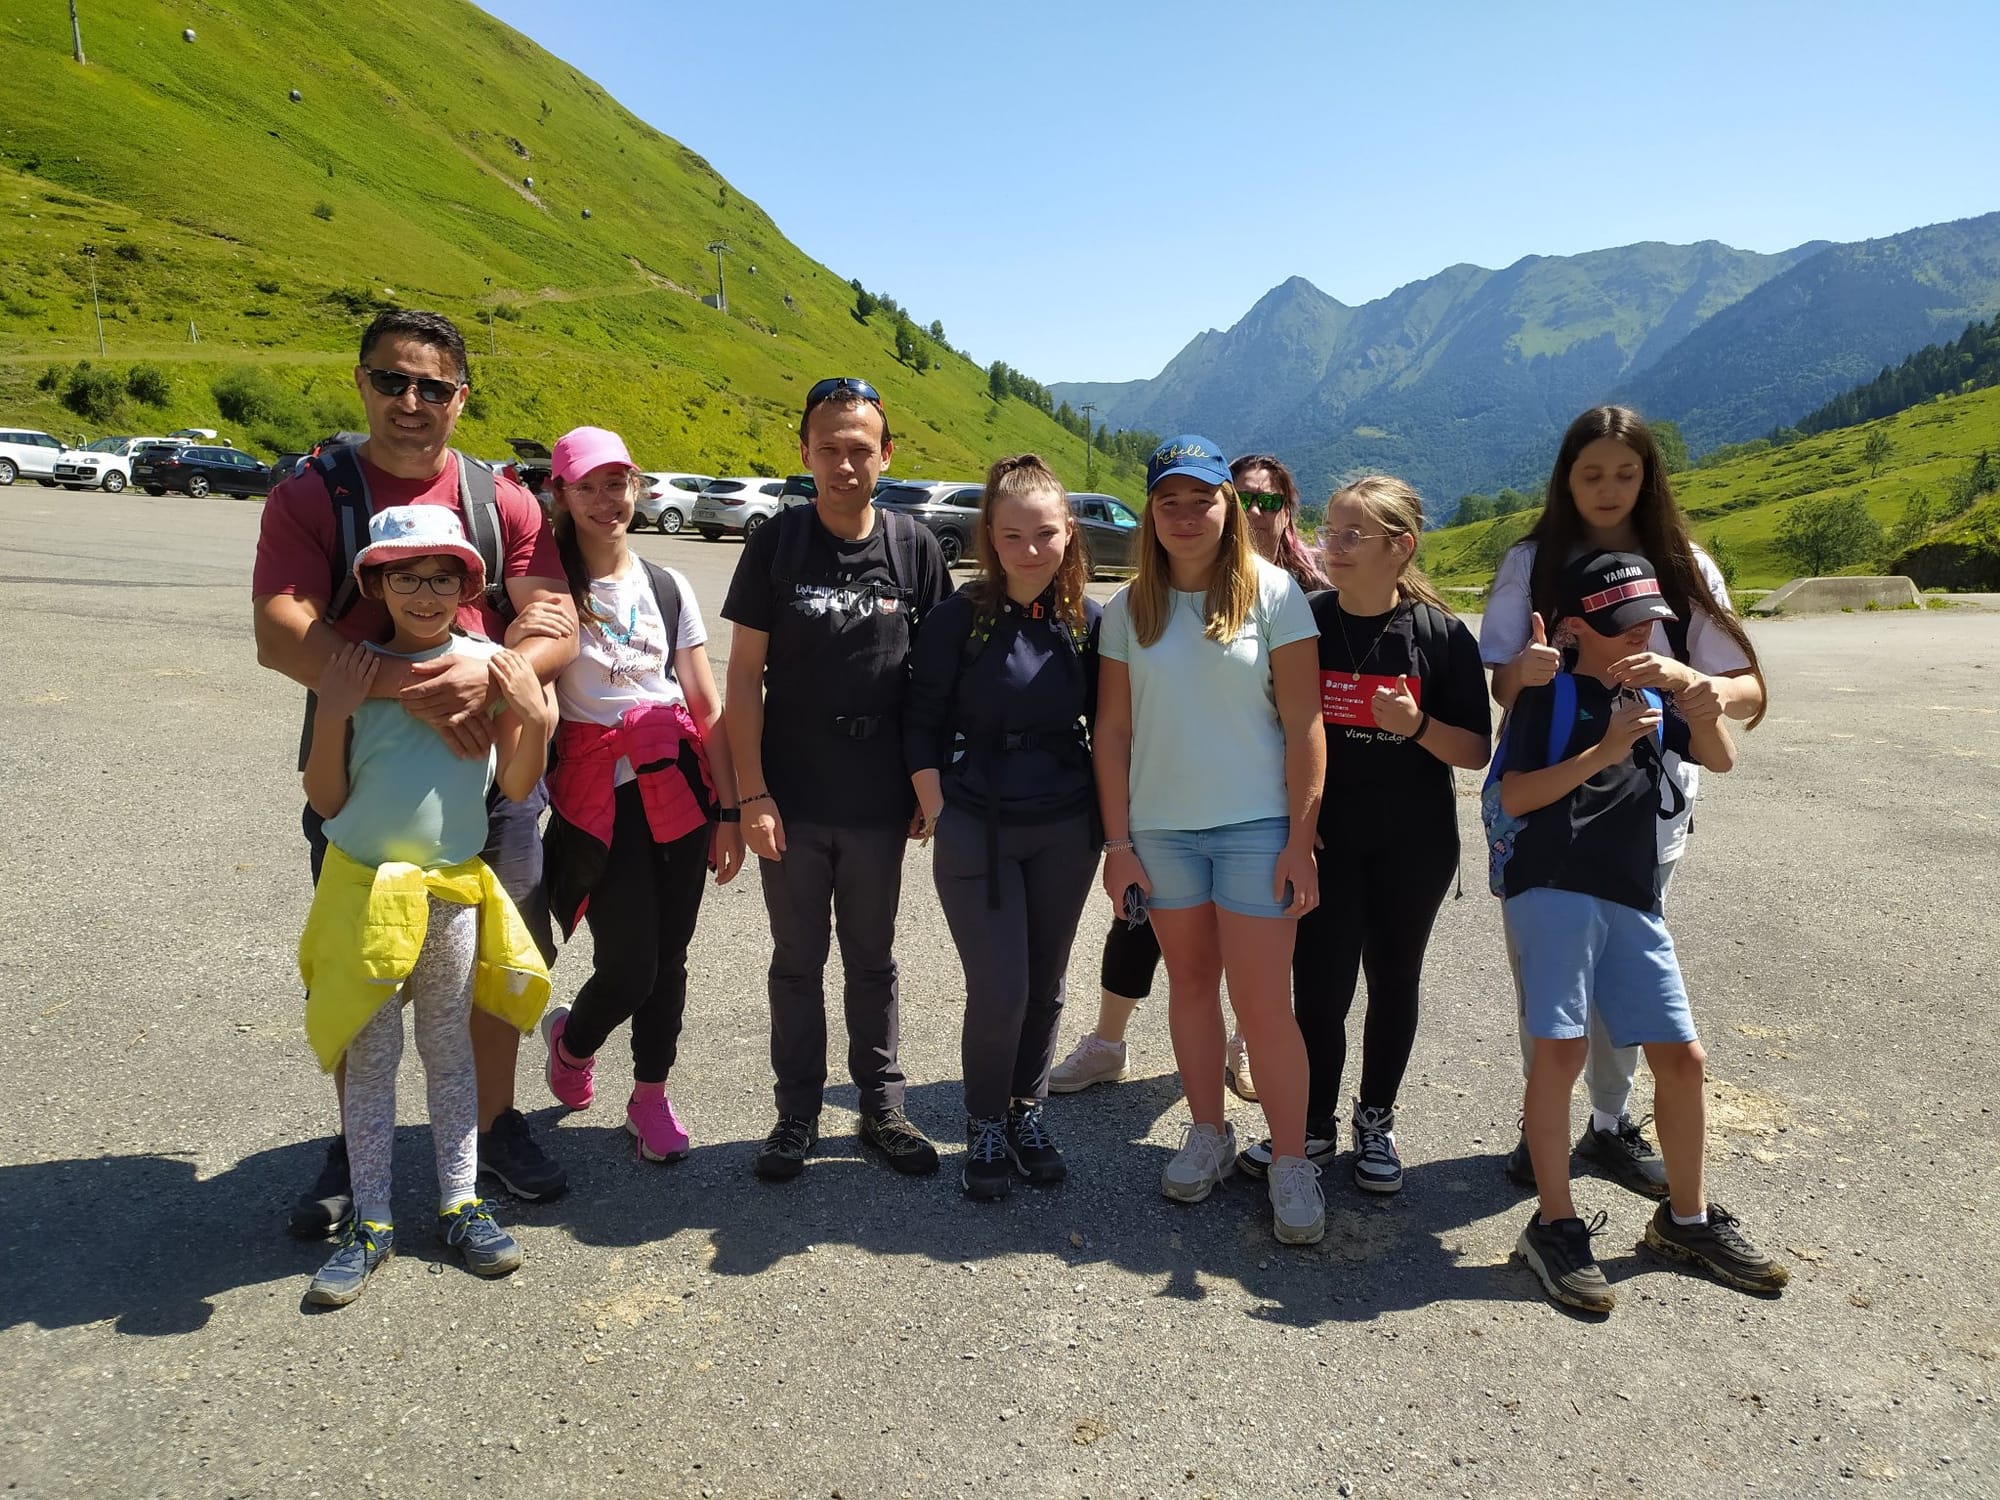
(651, 737)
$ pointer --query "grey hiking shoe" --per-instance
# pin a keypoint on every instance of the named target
(365, 1246)
(1559, 1255)
(1718, 1247)
(486, 1248)
(1627, 1156)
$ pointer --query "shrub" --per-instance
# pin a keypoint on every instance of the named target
(1725, 560)
(51, 379)
(149, 385)
(322, 209)
(93, 394)
(269, 288)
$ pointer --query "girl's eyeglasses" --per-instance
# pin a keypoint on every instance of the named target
(392, 383)
(444, 585)
(1354, 536)
(1257, 500)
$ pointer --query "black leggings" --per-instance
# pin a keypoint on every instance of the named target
(641, 918)
(1131, 960)
(1375, 914)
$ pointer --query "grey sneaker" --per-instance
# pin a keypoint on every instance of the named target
(1377, 1167)
(1298, 1207)
(1207, 1155)
(365, 1246)
(1627, 1156)
(486, 1248)
(1322, 1145)
(1559, 1254)
(1091, 1060)
(1718, 1247)
(1236, 1069)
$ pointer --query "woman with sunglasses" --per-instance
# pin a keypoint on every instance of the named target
(1403, 698)
(1270, 497)
(1210, 764)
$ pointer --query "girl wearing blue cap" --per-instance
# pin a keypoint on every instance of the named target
(1210, 761)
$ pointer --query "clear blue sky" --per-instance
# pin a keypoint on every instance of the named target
(1080, 189)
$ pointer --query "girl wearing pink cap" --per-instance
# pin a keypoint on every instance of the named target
(642, 791)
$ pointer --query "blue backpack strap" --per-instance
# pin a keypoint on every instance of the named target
(1562, 717)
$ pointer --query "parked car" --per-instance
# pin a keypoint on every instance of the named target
(197, 469)
(1110, 533)
(105, 464)
(198, 435)
(949, 510)
(737, 507)
(285, 465)
(668, 500)
(25, 451)
(532, 467)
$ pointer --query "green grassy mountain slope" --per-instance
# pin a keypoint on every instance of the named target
(1740, 504)
(402, 177)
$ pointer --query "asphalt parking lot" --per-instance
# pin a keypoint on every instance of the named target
(686, 1330)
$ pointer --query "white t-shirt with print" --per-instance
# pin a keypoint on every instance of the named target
(1208, 750)
(1507, 627)
(622, 658)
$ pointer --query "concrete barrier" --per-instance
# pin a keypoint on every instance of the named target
(1821, 596)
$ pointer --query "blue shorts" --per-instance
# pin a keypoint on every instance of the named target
(1231, 866)
(1575, 953)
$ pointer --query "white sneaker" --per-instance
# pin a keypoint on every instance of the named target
(1256, 1161)
(1207, 1155)
(1236, 1068)
(1091, 1060)
(1298, 1207)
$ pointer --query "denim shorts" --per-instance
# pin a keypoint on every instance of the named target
(1231, 866)
(1574, 954)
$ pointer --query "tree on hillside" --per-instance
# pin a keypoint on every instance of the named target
(906, 342)
(1510, 501)
(996, 380)
(865, 301)
(1825, 534)
(1876, 451)
(1673, 447)
(1918, 518)
(1472, 508)
(937, 333)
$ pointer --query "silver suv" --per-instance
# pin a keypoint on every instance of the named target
(737, 507)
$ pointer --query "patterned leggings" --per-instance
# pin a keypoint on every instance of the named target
(439, 992)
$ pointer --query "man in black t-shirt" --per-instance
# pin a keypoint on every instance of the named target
(825, 603)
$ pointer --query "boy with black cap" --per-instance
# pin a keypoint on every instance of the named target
(1583, 916)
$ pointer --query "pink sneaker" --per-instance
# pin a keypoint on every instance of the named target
(572, 1085)
(657, 1128)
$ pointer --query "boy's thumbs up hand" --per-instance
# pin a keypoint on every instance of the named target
(1538, 662)
(1395, 709)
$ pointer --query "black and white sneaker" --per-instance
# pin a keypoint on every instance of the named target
(326, 1206)
(508, 1154)
(785, 1149)
(1559, 1255)
(1031, 1146)
(1377, 1167)
(1322, 1145)
(988, 1174)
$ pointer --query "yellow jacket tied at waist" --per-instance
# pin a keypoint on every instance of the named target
(367, 926)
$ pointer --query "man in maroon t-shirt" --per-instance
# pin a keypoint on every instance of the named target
(412, 380)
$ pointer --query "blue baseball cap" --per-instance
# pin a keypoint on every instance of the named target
(1187, 454)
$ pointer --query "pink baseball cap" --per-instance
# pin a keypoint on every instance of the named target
(582, 449)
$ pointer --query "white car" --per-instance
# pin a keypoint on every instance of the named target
(737, 507)
(668, 501)
(23, 451)
(105, 464)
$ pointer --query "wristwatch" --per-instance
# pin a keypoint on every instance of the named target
(729, 815)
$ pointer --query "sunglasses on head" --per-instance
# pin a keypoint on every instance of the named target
(392, 383)
(1258, 500)
(842, 385)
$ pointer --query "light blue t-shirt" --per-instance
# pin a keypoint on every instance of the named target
(1208, 749)
(410, 800)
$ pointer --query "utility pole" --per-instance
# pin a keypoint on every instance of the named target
(76, 32)
(718, 249)
(90, 254)
(1087, 410)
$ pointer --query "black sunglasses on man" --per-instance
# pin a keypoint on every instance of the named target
(392, 383)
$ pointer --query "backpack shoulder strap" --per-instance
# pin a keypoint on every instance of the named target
(339, 469)
(1562, 716)
(1433, 637)
(667, 595)
(794, 532)
(1677, 639)
(479, 503)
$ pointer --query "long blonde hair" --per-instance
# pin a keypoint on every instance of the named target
(1232, 582)
(1393, 506)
